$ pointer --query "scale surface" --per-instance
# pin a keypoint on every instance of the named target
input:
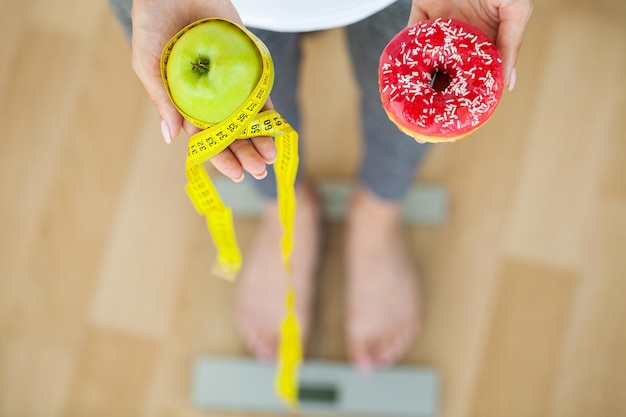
(246, 385)
(423, 204)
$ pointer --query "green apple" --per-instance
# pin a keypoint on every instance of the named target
(212, 69)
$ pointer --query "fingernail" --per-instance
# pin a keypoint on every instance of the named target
(260, 176)
(271, 161)
(241, 177)
(512, 79)
(165, 131)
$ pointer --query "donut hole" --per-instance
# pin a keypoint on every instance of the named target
(440, 80)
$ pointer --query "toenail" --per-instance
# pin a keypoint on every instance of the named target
(363, 364)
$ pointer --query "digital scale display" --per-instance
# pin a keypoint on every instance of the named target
(317, 393)
(245, 385)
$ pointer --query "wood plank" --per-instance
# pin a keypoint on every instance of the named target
(30, 159)
(613, 174)
(328, 333)
(34, 378)
(203, 322)
(112, 374)
(79, 207)
(528, 324)
(30, 165)
(551, 212)
(335, 121)
(12, 27)
(146, 247)
(13, 361)
(128, 293)
(48, 277)
(71, 17)
(592, 368)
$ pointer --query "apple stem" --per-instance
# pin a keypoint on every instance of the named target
(201, 65)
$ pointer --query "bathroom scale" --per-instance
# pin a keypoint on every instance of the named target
(244, 385)
(230, 384)
(423, 204)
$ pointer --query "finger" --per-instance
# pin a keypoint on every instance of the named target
(265, 147)
(239, 156)
(226, 163)
(150, 77)
(249, 155)
(268, 105)
(417, 14)
(513, 19)
(189, 128)
(249, 158)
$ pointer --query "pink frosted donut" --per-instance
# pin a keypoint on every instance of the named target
(440, 80)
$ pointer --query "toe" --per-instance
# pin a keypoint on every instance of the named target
(262, 345)
(361, 355)
(397, 344)
(257, 341)
(386, 348)
(391, 349)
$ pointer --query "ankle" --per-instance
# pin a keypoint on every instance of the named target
(368, 209)
(307, 199)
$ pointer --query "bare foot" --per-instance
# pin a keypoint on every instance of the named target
(382, 296)
(263, 282)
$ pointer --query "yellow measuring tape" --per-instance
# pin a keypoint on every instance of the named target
(247, 122)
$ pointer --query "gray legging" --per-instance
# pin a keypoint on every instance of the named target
(390, 157)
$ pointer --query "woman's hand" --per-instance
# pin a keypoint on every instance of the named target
(504, 21)
(154, 24)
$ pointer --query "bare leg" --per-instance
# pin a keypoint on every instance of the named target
(382, 297)
(263, 281)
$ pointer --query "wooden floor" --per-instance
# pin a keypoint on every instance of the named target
(105, 291)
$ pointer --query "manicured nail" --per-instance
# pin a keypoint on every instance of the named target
(512, 79)
(241, 177)
(165, 131)
(260, 176)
